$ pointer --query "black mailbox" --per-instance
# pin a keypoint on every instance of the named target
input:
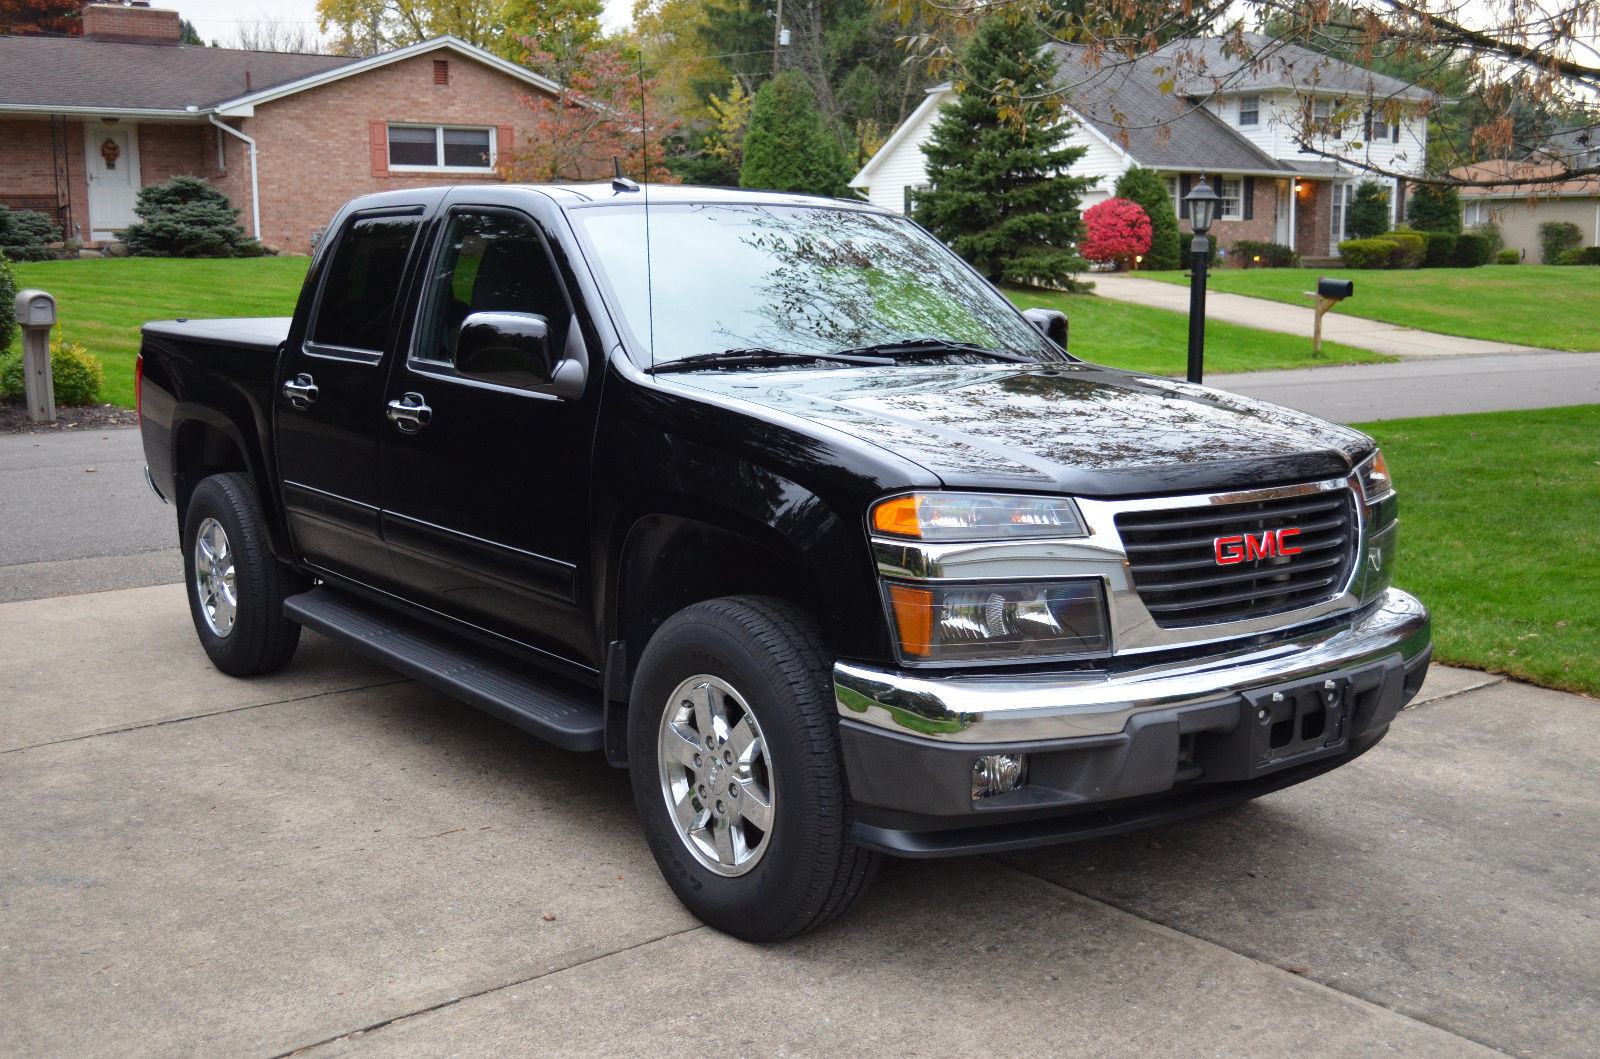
(1335, 289)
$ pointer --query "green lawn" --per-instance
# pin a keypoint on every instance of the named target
(1552, 306)
(103, 301)
(1156, 340)
(1500, 537)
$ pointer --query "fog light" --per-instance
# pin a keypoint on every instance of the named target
(995, 774)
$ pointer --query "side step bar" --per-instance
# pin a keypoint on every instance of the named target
(559, 712)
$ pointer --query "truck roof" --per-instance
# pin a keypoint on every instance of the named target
(602, 193)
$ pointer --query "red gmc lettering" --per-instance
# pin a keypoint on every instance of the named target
(1229, 550)
(1239, 548)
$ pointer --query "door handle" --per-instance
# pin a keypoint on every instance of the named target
(301, 392)
(410, 413)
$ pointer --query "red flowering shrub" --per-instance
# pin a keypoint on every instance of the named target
(1115, 231)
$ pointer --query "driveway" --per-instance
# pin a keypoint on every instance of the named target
(335, 861)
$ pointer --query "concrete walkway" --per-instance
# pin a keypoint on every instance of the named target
(1295, 320)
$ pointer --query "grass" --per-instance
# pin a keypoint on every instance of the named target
(1550, 306)
(102, 302)
(1499, 537)
(1156, 340)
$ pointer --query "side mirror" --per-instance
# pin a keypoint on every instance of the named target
(512, 349)
(1052, 324)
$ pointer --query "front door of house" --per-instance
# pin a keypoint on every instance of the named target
(112, 162)
(1281, 233)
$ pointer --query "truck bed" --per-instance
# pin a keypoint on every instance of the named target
(259, 332)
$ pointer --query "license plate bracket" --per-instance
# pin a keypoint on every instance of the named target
(1281, 726)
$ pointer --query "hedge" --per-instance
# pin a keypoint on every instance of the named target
(1556, 238)
(1369, 253)
(1588, 255)
(25, 235)
(1272, 255)
(1472, 249)
(1441, 251)
(1508, 257)
(1409, 248)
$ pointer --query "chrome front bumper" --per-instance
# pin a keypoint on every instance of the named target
(1029, 707)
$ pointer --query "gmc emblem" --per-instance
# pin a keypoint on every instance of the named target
(1247, 547)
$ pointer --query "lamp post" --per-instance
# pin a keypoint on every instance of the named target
(1202, 203)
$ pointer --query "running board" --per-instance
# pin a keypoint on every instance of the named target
(556, 711)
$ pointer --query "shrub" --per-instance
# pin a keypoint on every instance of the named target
(1556, 238)
(8, 304)
(1441, 249)
(1146, 187)
(787, 144)
(186, 217)
(1490, 231)
(1588, 255)
(1408, 248)
(25, 235)
(1472, 250)
(1368, 253)
(1244, 252)
(1508, 257)
(1369, 211)
(1434, 209)
(1115, 232)
(76, 372)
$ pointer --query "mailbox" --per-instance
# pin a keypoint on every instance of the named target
(1335, 289)
(35, 308)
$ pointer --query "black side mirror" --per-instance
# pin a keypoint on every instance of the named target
(1052, 324)
(512, 349)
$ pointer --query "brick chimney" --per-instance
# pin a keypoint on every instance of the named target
(133, 20)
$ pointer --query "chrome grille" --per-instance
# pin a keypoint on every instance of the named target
(1172, 555)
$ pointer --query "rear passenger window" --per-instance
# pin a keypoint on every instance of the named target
(362, 283)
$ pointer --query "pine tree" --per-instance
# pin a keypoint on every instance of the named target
(1434, 209)
(998, 190)
(1369, 211)
(787, 147)
(1146, 187)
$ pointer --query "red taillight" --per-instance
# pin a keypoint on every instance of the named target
(138, 388)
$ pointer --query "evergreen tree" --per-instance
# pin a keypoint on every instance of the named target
(998, 191)
(787, 146)
(1369, 212)
(1434, 209)
(1146, 187)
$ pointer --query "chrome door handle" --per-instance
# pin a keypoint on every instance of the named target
(410, 413)
(301, 392)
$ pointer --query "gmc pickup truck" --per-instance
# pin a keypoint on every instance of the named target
(784, 509)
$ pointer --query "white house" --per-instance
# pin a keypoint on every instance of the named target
(1234, 123)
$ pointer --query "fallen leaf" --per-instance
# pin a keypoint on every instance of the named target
(548, 918)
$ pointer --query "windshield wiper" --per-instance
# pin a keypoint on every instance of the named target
(930, 346)
(759, 356)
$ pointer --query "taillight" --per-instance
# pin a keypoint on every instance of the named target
(138, 388)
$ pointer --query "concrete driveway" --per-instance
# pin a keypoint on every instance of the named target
(335, 861)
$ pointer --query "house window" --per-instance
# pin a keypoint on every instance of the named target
(1476, 213)
(1249, 110)
(1231, 208)
(413, 147)
(1380, 129)
(1177, 199)
(1322, 119)
(1343, 196)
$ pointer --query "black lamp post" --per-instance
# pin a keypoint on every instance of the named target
(1202, 202)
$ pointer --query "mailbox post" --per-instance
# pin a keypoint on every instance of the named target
(1329, 292)
(36, 315)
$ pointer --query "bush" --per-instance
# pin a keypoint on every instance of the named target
(1508, 257)
(1490, 231)
(1409, 247)
(8, 304)
(1369, 211)
(186, 217)
(1556, 238)
(1472, 250)
(1244, 252)
(25, 235)
(1588, 255)
(1440, 251)
(76, 372)
(1146, 187)
(1369, 253)
(1434, 209)
(787, 144)
(1115, 232)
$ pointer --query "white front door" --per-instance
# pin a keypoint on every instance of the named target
(111, 157)
(1281, 234)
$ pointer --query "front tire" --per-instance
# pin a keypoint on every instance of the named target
(236, 586)
(736, 770)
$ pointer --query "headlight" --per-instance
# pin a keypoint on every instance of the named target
(977, 622)
(1373, 474)
(975, 517)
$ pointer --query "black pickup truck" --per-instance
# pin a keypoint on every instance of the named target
(783, 508)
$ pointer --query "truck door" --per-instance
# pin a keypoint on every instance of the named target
(486, 499)
(330, 419)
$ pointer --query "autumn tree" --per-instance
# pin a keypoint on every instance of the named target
(366, 27)
(561, 28)
(57, 18)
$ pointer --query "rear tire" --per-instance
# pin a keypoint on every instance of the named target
(764, 657)
(236, 587)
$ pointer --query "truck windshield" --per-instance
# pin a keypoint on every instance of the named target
(791, 279)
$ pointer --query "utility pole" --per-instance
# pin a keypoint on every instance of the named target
(777, 38)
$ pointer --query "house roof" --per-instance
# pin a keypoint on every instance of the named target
(1203, 67)
(1544, 174)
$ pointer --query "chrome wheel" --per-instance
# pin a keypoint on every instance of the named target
(213, 577)
(715, 775)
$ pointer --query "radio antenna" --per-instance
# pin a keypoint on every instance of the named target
(644, 167)
(618, 181)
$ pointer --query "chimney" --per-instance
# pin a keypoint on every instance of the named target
(131, 21)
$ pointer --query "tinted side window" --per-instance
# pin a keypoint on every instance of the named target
(489, 262)
(363, 280)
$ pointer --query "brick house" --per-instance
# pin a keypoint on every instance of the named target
(85, 122)
(1235, 125)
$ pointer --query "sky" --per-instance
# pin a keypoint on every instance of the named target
(220, 19)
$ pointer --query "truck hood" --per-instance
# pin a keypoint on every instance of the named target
(1079, 428)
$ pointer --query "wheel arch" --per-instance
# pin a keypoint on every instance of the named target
(205, 443)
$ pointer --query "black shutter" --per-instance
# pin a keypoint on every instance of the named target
(1249, 197)
(1368, 135)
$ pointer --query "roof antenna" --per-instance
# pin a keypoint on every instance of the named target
(618, 181)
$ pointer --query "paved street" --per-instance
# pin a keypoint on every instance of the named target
(329, 859)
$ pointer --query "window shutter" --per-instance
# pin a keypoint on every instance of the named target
(380, 148)
(1185, 182)
(1394, 130)
(1368, 134)
(505, 141)
(1249, 197)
